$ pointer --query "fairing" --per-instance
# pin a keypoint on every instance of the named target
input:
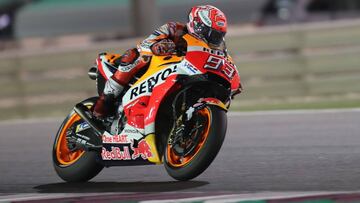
(144, 98)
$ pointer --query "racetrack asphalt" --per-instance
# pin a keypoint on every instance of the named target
(276, 151)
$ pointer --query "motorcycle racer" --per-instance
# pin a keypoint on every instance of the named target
(206, 22)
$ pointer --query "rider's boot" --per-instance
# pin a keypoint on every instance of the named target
(128, 65)
(105, 105)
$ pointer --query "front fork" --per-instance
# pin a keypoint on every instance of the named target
(179, 129)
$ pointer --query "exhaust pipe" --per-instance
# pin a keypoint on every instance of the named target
(87, 116)
(93, 73)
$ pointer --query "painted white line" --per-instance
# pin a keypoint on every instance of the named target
(191, 199)
(208, 199)
(45, 196)
(266, 196)
(32, 196)
(246, 197)
(293, 112)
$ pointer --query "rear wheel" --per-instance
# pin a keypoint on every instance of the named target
(74, 165)
(188, 157)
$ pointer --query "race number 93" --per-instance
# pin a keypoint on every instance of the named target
(218, 63)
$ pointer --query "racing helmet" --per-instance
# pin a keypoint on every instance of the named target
(207, 23)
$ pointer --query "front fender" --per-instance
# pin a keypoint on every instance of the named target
(213, 102)
(202, 103)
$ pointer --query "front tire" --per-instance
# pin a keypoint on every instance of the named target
(196, 162)
(77, 166)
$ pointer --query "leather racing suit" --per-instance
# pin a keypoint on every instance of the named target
(161, 42)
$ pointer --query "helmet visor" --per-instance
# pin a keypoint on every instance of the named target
(215, 37)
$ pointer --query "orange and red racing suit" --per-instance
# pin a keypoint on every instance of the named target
(161, 42)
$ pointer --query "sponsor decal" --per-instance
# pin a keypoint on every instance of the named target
(204, 15)
(82, 126)
(131, 131)
(215, 52)
(147, 85)
(130, 66)
(142, 150)
(163, 29)
(190, 67)
(156, 33)
(120, 147)
(83, 140)
(126, 68)
(115, 139)
(220, 23)
(83, 137)
(116, 154)
(147, 44)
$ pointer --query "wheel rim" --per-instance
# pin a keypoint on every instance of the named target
(63, 154)
(179, 161)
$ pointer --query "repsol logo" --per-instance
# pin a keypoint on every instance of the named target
(151, 82)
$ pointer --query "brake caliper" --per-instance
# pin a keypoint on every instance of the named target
(194, 108)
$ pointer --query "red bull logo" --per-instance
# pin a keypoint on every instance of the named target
(116, 154)
(143, 150)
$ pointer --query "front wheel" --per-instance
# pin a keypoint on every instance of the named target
(70, 164)
(191, 156)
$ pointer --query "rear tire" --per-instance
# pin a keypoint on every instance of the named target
(84, 166)
(206, 154)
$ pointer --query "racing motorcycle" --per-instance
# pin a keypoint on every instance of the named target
(174, 113)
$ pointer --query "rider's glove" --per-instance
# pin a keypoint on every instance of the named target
(164, 47)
